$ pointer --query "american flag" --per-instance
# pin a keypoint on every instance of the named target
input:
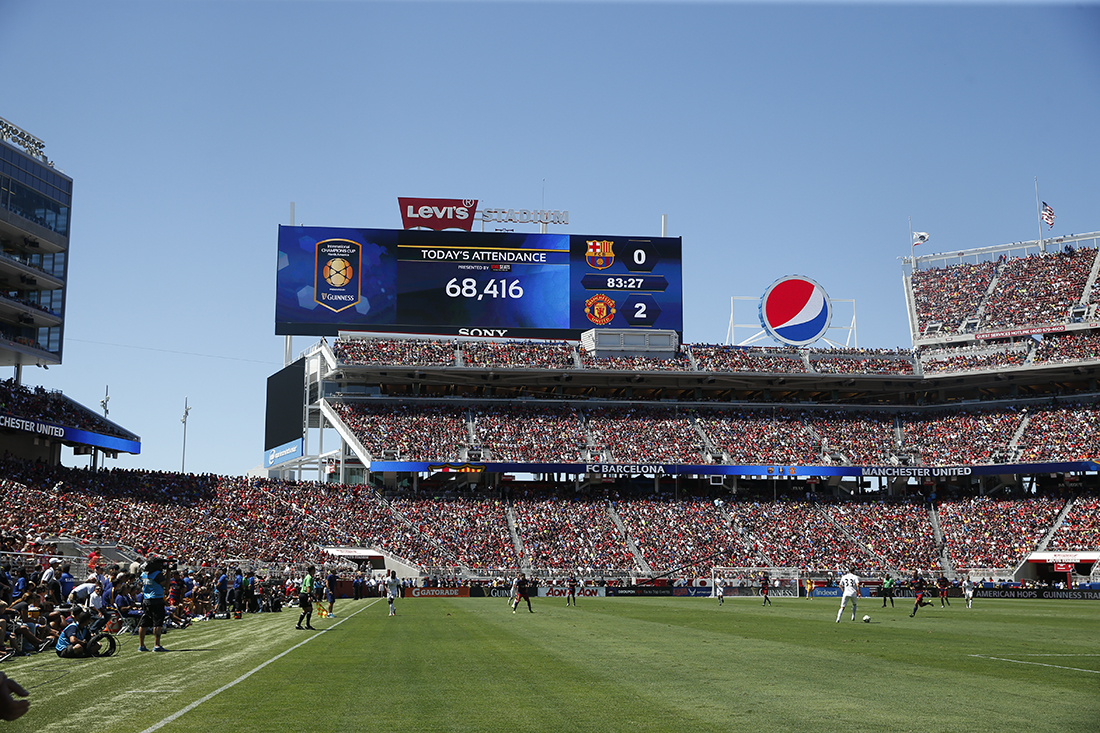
(1048, 215)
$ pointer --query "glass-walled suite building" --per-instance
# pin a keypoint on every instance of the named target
(35, 200)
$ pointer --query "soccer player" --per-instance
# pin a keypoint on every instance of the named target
(943, 584)
(888, 590)
(968, 591)
(849, 585)
(917, 584)
(720, 591)
(571, 590)
(521, 588)
(393, 588)
(765, 584)
(809, 588)
(305, 599)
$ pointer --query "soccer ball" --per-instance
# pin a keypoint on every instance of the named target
(866, 619)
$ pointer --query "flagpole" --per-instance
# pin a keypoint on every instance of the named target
(912, 248)
(1039, 213)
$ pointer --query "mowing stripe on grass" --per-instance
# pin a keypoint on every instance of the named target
(249, 673)
(1038, 664)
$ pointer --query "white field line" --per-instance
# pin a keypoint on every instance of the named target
(249, 673)
(1039, 664)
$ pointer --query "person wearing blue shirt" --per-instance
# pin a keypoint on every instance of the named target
(238, 591)
(74, 641)
(153, 581)
(68, 582)
(222, 587)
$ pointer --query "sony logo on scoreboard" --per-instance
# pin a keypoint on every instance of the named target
(437, 213)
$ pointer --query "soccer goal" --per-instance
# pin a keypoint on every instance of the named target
(746, 581)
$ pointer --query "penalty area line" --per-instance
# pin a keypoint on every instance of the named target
(249, 673)
(1037, 664)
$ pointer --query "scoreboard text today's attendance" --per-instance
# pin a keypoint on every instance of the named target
(474, 283)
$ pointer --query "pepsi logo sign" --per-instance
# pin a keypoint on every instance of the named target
(795, 310)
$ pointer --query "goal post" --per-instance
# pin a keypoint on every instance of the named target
(746, 581)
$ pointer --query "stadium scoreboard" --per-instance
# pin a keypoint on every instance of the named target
(502, 284)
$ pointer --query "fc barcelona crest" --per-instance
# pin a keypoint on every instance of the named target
(600, 309)
(599, 254)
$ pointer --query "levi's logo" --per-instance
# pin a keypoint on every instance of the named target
(438, 213)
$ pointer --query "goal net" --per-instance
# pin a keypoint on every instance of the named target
(746, 581)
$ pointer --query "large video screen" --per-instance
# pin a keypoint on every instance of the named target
(474, 283)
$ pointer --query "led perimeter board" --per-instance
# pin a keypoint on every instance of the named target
(474, 283)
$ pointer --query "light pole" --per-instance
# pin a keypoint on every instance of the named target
(183, 461)
(102, 403)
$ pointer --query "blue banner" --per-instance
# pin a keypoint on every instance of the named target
(70, 435)
(669, 469)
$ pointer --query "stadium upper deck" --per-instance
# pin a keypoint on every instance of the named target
(1003, 292)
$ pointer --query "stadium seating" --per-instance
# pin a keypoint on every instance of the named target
(201, 520)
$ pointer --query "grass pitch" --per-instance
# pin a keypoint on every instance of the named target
(611, 664)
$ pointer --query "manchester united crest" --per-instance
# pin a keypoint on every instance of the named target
(599, 254)
(600, 309)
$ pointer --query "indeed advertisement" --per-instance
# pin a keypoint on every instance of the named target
(502, 284)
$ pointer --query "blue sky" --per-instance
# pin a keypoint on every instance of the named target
(779, 139)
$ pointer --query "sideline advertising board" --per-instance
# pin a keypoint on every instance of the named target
(499, 284)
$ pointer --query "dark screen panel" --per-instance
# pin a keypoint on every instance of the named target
(284, 405)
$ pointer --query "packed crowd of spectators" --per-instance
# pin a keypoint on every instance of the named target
(862, 438)
(900, 534)
(401, 352)
(407, 432)
(645, 434)
(677, 363)
(473, 532)
(1069, 433)
(203, 521)
(532, 433)
(693, 534)
(761, 437)
(995, 533)
(1039, 288)
(959, 437)
(861, 364)
(39, 403)
(571, 534)
(1063, 347)
(950, 295)
(1081, 528)
(517, 355)
(718, 358)
(797, 534)
(973, 359)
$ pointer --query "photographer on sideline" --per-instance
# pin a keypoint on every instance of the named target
(152, 605)
(74, 640)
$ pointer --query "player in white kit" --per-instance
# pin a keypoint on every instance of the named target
(849, 586)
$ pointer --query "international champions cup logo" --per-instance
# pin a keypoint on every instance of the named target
(795, 310)
(336, 274)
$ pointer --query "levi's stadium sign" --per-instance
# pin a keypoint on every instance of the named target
(437, 214)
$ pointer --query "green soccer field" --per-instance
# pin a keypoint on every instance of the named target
(611, 664)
